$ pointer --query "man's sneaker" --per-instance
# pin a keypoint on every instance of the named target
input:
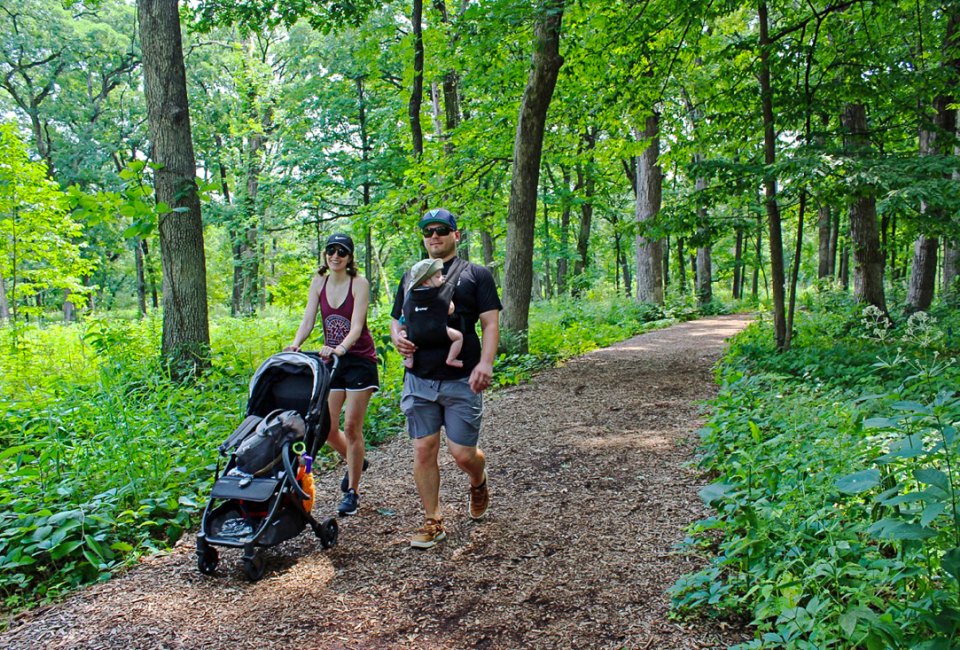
(429, 534)
(345, 482)
(349, 504)
(479, 499)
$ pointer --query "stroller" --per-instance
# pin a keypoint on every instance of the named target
(260, 505)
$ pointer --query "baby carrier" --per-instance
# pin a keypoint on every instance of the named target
(425, 310)
(265, 493)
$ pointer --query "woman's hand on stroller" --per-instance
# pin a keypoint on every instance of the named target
(292, 348)
(326, 351)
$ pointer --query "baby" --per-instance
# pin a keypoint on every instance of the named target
(423, 311)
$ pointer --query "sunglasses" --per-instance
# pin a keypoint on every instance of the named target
(339, 251)
(443, 231)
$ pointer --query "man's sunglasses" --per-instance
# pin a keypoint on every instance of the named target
(339, 251)
(443, 231)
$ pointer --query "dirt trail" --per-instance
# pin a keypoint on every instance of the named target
(590, 492)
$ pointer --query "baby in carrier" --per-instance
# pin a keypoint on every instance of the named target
(426, 309)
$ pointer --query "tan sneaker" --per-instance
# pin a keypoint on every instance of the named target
(429, 534)
(479, 499)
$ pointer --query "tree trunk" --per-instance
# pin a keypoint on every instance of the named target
(795, 271)
(4, 304)
(649, 187)
(935, 139)
(775, 235)
(489, 252)
(528, 147)
(864, 231)
(824, 223)
(738, 266)
(141, 278)
(682, 264)
(186, 336)
(586, 183)
(563, 261)
(416, 94)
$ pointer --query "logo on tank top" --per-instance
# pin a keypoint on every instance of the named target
(335, 328)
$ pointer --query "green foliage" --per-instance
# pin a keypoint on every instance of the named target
(835, 491)
(38, 239)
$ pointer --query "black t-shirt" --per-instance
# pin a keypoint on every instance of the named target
(476, 293)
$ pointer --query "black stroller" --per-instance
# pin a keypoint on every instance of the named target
(258, 509)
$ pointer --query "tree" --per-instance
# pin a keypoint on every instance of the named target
(648, 248)
(527, 148)
(186, 336)
(39, 249)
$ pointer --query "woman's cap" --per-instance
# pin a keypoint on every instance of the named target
(438, 215)
(341, 240)
(423, 270)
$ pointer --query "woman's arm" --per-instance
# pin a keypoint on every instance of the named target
(309, 315)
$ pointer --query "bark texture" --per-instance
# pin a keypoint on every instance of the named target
(864, 231)
(186, 336)
(527, 150)
(775, 233)
(649, 186)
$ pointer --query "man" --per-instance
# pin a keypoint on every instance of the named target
(436, 394)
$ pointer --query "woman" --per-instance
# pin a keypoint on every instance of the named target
(342, 299)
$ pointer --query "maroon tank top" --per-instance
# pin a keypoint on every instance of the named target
(336, 325)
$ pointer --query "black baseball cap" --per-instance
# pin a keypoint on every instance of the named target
(438, 215)
(341, 240)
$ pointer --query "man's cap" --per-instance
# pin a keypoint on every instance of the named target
(342, 240)
(423, 270)
(438, 215)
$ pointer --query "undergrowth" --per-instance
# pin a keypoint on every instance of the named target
(836, 484)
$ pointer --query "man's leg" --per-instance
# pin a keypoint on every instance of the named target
(470, 459)
(426, 473)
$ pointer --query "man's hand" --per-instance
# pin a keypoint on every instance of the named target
(404, 346)
(481, 377)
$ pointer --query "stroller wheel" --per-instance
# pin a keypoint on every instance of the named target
(207, 560)
(328, 532)
(255, 567)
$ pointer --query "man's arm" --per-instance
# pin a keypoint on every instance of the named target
(482, 374)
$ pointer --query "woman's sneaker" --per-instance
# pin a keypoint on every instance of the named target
(349, 504)
(345, 482)
(429, 534)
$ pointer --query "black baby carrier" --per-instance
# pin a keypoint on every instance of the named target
(265, 493)
(425, 315)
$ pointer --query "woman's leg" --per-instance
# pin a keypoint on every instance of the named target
(355, 412)
(335, 438)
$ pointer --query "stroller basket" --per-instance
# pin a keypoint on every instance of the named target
(256, 511)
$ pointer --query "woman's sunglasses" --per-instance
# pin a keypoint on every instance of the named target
(339, 251)
(443, 231)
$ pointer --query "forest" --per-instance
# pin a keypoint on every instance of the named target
(169, 173)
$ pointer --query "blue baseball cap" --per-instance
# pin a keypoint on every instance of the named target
(438, 215)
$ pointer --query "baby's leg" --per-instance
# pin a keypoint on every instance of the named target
(408, 361)
(456, 343)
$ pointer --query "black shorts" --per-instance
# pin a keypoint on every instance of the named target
(355, 374)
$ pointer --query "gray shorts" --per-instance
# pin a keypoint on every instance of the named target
(429, 403)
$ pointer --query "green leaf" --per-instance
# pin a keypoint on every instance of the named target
(880, 423)
(66, 548)
(931, 512)
(934, 477)
(715, 492)
(895, 529)
(858, 481)
(951, 562)
(912, 407)
(906, 447)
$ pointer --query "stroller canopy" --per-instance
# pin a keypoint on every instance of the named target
(290, 380)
